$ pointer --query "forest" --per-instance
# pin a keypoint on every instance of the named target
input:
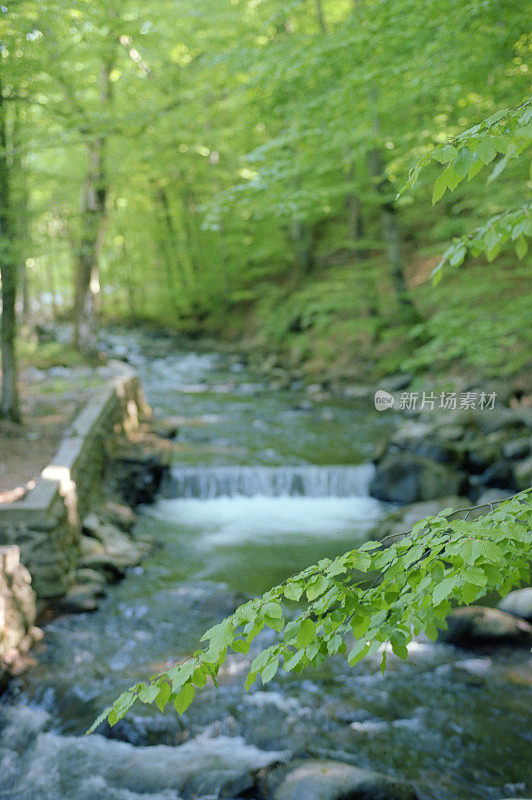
(233, 233)
(231, 169)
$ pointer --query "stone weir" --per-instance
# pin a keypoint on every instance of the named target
(45, 524)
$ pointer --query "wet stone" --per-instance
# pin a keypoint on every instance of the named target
(334, 780)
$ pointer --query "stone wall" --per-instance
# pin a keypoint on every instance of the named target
(45, 524)
(17, 613)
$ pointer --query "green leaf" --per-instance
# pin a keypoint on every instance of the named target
(293, 591)
(398, 643)
(490, 551)
(199, 678)
(148, 693)
(458, 256)
(521, 247)
(462, 163)
(184, 698)
(362, 562)
(360, 624)
(317, 587)
(99, 719)
(358, 652)
(275, 623)
(273, 610)
(294, 660)
(383, 662)
(443, 590)
(269, 671)
(179, 674)
(476, 576)
(306, 633)
(250, 680)
(240, 646)
(220, 635)
(440, 187)
(163, 697)
(445, 153)
(469, 593)
(486, 150)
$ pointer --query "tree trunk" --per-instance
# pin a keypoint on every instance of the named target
(303, 238)
(9, 403)
(320, 15)
(392, 239)
(93, 219)
(171, 256)
(20, 203)
(50, 278)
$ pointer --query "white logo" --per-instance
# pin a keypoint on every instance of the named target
(383, 400)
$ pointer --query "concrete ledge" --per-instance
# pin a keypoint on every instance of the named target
(62, 493)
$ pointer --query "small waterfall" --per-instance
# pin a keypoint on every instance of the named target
(205, 483)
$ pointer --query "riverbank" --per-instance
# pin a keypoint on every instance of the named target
(447, 724)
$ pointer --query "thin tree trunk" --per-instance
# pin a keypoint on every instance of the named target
(50, 279)
(320, 15)
(93, 219)
(20, 204)
(9, 402)
(354, 221)
(392, 238)
(168, 253)
(303, 238)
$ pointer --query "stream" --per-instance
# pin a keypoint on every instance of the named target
(265, 483)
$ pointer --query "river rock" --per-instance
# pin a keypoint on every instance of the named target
(167, 428)
(78, 600)
(477, 625)
(86, 575)
(523, 473)
(517, 448)
(137, 477)
(518, 603)
(403, 519)
(492, 496)
(394, 383)
(111, 551)
(119, 514)
(120, 546)
(499, 476)
(407, 478)
(334, 780)
(450, 433)
(426, 447)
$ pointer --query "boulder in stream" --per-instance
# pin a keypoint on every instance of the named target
(518, 603)
(111, 551)
(118, 514)
(474, 626)
(403, 519)
(409, 478)
(333, 780)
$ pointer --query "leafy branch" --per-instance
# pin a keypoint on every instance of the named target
(381, 596)
(507, 134)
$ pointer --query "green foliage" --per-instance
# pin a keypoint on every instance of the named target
(381, 596)
(48, 354)
(238, 140)
(493, 343)
(508, 134)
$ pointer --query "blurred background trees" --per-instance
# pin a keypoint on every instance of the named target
(231, 168)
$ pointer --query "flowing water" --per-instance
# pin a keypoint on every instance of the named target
(264, 484)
